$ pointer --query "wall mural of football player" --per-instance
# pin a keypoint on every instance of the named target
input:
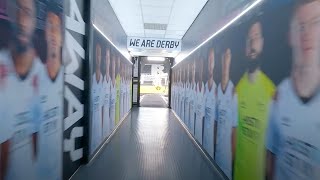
(121, 89)
(200, 102)
(182, 93)
(192, 97)
(173, 84)
(210, 106)
(226, 120)
(109, 90)
(124, 88)
(187, 97)
(259, 131)
(97, 101)
(118, 86)
(49, 165)
(113, 93)
(20, 112)
(255, 91)
(178, 92)
(127, 88)
(293, 133)
(106, 95)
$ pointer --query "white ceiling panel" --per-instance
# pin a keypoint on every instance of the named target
(157, 3)
(156, 19)
(148, 31)
(175, 32)
(155, 35)
(177, 15)
(155, 11)
(168, 36)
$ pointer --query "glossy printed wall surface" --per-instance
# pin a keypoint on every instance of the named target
(110, 96)
(31, 89)
(251, 95)
(214, 15)
(75, 146)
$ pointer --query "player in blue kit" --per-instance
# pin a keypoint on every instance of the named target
(294, 127)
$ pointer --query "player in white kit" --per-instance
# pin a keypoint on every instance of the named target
(210, 107)
(124, 90)
(173, 91)
(226, 120)
(121, 89)
(192, 98)
(113, 93)
(97, 102)
(49, 165)
(106, 84)
(200, 103)
(178, 92)
(182, 94)
(127, 89)
(187, 99)
(20, 111)
(293, 134)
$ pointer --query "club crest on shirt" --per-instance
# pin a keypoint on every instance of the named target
(243, 105)
(285, 121)
(261, 105)
(43, 99)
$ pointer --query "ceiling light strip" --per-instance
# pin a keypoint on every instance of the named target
(154, 58)
(223, 28)
(110, 42)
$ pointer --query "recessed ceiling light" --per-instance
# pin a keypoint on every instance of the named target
(150, 58)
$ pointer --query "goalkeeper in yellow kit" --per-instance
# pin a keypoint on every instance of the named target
(254, 91)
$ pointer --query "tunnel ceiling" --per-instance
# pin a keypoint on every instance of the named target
(192, 21)
(157, 19)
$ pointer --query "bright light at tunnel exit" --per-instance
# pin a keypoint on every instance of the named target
(254, 4)
(150, 58)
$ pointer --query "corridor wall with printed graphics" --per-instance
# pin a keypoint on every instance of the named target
(31, 89)
(110, 98)
(75, 56)
(250, 95)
